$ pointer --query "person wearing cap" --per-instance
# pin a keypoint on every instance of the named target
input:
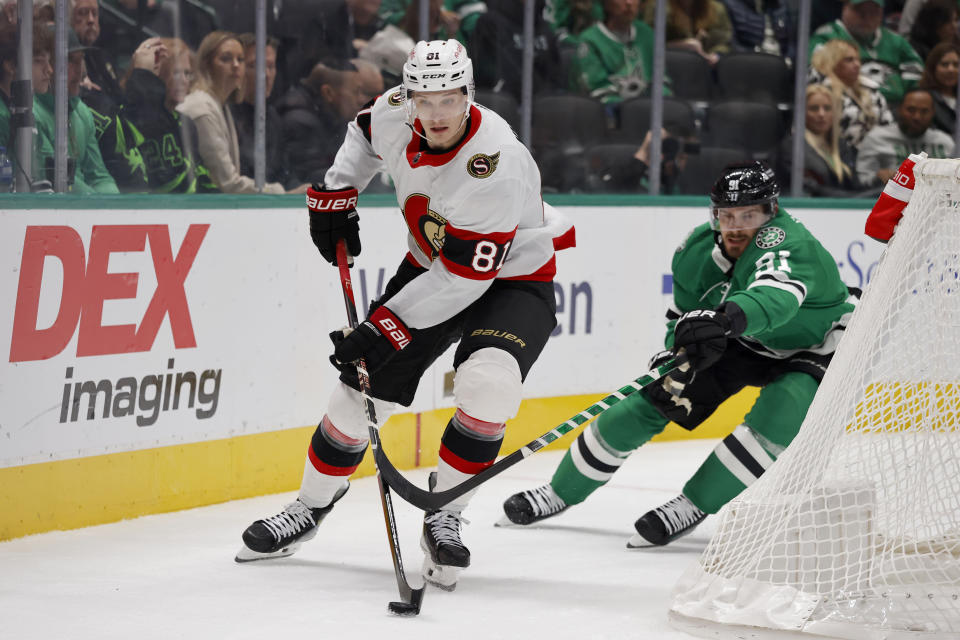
(887, 58)
(89, 174)
(757, 301)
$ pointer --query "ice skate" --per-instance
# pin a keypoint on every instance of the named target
(445, 556)
(532, 506)
(281, 535)
(666, 523)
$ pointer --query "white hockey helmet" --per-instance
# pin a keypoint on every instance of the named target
(437, 65)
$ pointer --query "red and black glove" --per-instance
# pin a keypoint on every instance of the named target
(703, 334)
(333, 215)
(375, 340)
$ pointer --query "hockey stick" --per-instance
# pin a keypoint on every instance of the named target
(430, 501)
(411, 598)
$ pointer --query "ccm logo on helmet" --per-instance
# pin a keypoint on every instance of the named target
(433, 76)
(340, 204)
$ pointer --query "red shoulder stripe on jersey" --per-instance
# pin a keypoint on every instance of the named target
(566, 240)
(409, 258)
(418, 158)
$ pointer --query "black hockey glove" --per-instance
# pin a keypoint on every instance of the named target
(333, 215)
(703, 334)
(679, 377)
(375, 340)
(669, 402)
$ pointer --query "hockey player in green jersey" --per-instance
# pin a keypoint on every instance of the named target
(757, 301)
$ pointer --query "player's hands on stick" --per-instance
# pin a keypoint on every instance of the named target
(702, 334)
(676, 380)
(375, 340)
(333, 215)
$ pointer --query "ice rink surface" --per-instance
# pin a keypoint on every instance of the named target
(173, 575)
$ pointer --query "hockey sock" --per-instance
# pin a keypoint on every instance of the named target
(745, 454)
(730, 469)
(468, 446)
(588, 464)
(604, 446)
(331, 458)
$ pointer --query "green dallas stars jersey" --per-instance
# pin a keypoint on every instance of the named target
(786, 283)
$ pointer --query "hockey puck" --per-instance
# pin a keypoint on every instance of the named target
(403, 609)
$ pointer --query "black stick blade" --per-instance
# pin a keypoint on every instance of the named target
(405, 609)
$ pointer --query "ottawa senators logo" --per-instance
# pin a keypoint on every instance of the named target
(427, 227)
(482, 165)
(395, 99)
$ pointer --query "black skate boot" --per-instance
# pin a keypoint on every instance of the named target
(666, 523)
(533, 505)
(445, 556)
(281, 535)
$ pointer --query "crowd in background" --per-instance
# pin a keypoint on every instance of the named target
(161, 93)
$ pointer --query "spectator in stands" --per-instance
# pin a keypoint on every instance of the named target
(8, 70)
(389, 49)
(827, 159)
(888, 59)
(148, 145)
(631, 174)
(884, 148)
(244, 112)
(315, 117)
(614, 59)
(940, 77)
(161, 16)
(908, 15)
(42, 74)
(370, 78)
(499, 35)
(569, 18)
(836, 65)
(447, 18)
(217, 83)
(702, 26)
(331, 29)
(8, 12)
(936, 22)
(764, 26)
(90, 174)
(101, 87)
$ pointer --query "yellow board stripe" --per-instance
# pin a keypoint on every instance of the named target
(81, 492)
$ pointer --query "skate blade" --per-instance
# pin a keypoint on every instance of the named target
(442, 577)
(248, 555)
(639, 542)
(507, 523)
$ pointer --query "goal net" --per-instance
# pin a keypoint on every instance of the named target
(855, 531)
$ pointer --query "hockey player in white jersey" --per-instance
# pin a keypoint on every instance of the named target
(478, 270)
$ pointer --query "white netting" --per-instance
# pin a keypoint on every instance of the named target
(855, 531)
